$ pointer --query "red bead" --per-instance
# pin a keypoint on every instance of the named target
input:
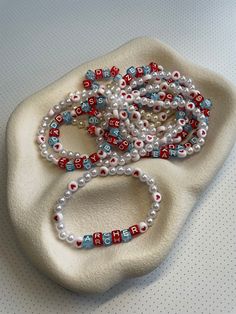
(59, 118)
(193, 123)
(78, 163)
(123, 145)
(169, 97)
(206, 112)
(128, 78)
(164, 153)
(78, 111)
(198, 98)
(94, 158)
(134, 230)
(97, 239)
(116, 236)
(139, 72)
(92, 101)
(62, 162)
(114, 122)
(93, 112)
(114, 71)
(98, 74)
(87, 84)
(54, 132)
(112, 140)
(106, 134)
(91, 129)
(153, 66)
(183, 134)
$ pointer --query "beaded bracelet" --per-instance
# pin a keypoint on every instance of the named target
(99, 239)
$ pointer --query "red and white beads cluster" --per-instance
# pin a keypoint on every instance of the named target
(99, 239)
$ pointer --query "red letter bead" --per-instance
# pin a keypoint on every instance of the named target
(139, 72)
(54, 132)
(97, 239)
(134, 230)
(94, 158)
(123, 145)
(114, 71)
(154, 67)
(116, 236)
(98, 74)
(59, 118)
(92, 101)
(198, 99)
(78, 163)
(87, 84)
(128, 78)
(91, 129)
(78, 111)
(164, 153)
(62, 162)
(114, 122)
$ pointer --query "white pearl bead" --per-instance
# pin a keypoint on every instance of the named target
(62, 235)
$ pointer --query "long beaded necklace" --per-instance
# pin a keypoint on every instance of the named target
(146, 113)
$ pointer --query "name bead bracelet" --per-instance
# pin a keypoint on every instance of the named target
(117, 236)
(145, 113)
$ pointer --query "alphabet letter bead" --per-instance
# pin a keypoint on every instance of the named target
(116, 236)
(126, 235)
(97, 239)
(134, 230)
(87, 241)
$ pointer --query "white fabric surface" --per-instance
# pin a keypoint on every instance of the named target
(211, 292)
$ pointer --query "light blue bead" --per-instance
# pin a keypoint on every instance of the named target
(114, 132)
(70, 166)
(106, 73)
(95, 86)
(179, 147)
(53, 140)
(173, 153)
(206, 103)
(85, 107)
(131, 71)
(156, 153)
(67, 117)
(106, 147)
(177, 98)
(107, 239)
(53, 125)
(146, 69)
(87, 241)
(180, 114)
(117, 77)
(90, 75)
(193, 140)
(87, 164)
(93, 120)
(187, 128)
(126, 235)
(101, 102)
(154, 96)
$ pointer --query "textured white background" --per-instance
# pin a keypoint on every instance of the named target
(42, 40)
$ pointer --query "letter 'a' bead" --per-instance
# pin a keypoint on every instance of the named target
(107, 239)
(126, 235)
(87, 241)
(116, 236)
(97, 239)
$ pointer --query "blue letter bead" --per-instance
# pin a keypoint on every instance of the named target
(90, 75)
(107, 239)
(53, 125)
(117, 77)
(180, 114)
(87, 241)
(70, 166)
(187, 128)
(193, 140)
(173, 152)
(126, 235)
(114, 132)
(85, 107)
(206, 104)
(87, 164)
(156, 153)
(146, 70)
(106, 147)
(67, 117)
(106, 73)
(100, 103)
(53, 140)
(131, 71)
(93, 120)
